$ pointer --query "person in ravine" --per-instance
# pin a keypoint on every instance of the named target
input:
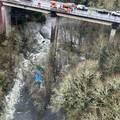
(38, 80)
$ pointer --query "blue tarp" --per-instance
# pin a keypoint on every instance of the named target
(38, 76)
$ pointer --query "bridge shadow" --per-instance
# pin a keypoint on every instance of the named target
(21, 16)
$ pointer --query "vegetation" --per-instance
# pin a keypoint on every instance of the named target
(9, 50)
(109, 60)
(84, 96)
(90, 88)
(38, 17)
(26, 16)
(84, 68)
(107, 4)
(3, 82)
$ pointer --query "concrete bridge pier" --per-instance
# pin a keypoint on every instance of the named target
(6, 18)
(112, 35)
(113, 31)
(54, 38)
(54, 26)
(52, 58)
(1, 20)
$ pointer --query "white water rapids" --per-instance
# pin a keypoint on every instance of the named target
(13, 96)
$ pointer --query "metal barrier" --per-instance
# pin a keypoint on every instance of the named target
(92, 15)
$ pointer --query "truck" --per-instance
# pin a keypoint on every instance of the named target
(63, 7)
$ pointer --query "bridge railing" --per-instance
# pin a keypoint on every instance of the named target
(97, 16)
(89, 14)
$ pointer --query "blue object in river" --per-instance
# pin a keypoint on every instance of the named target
(38, 76)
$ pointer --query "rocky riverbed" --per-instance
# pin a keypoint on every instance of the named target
(19, 104)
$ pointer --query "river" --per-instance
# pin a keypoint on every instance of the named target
(18, 102)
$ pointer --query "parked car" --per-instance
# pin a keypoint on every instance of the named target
(82, 7)
(102, 11)
(115, 13)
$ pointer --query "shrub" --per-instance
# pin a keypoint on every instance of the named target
(116, 63)
(38, 17)
(109, 59)
(72, 94)
(83, 96)
(2, 78)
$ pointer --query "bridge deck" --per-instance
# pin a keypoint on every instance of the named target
(90, 15)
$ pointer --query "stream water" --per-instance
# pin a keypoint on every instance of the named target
(18, 103)
(25, 109)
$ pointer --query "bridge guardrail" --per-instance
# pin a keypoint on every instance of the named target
(46, 6)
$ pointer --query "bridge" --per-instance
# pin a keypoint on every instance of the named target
(90, 16)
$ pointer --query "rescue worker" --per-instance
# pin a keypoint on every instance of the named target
(38, 78)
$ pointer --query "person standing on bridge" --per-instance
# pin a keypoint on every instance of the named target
(39, 3)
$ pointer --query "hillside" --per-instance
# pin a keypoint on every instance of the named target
(79, 68)
(88, 69)
(106, 4)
